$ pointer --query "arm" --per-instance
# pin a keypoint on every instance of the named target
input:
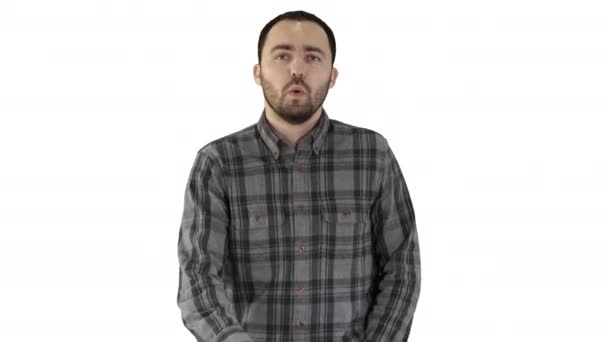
(398, 257)
(205, 309)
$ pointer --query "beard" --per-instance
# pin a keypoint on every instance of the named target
(298, 110)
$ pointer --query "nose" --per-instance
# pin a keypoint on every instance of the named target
(297, 69)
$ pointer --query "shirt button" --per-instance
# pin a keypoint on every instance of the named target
(300, 324)
(301, 249)
(301, 290)
(345, 213)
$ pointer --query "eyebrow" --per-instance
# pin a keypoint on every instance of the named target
(290, 47)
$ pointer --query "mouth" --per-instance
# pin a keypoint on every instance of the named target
(296, 91)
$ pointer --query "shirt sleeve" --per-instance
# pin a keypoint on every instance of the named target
(397, 254)
(205, 308)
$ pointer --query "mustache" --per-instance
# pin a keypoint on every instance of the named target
(299, 82)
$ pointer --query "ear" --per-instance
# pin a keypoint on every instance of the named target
(256, 74)
(333, 77)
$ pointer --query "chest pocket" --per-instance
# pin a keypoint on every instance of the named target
(255, 236)
(346, 229)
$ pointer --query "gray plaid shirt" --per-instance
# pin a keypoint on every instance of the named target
(312, 242)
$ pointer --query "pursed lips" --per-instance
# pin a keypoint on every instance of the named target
(295, 90)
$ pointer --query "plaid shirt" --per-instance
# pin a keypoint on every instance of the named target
(309, 242)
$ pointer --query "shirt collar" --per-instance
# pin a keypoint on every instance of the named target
(272, 140)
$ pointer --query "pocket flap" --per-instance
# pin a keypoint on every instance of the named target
(261, 217)
(343, 215)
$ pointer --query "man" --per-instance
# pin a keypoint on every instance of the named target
(298, 228)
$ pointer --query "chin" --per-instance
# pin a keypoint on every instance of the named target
(297, 119)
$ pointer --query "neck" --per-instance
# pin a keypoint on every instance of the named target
(288, 132)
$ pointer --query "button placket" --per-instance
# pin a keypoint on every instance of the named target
(300, 202)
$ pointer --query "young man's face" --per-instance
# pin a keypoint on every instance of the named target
(296, 70)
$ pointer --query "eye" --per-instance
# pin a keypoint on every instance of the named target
(314, 58)
(281, 57)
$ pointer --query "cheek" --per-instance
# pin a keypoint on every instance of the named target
(275, 69)
(274, 75)
(279, 83)
(320, 83)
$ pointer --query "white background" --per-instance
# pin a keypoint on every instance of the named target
(495, 110)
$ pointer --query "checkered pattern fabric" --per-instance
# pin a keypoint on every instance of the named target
(309, 242)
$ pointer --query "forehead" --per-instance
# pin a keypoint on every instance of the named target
(297, 33)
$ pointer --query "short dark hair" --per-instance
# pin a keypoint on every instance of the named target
(298, 16)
